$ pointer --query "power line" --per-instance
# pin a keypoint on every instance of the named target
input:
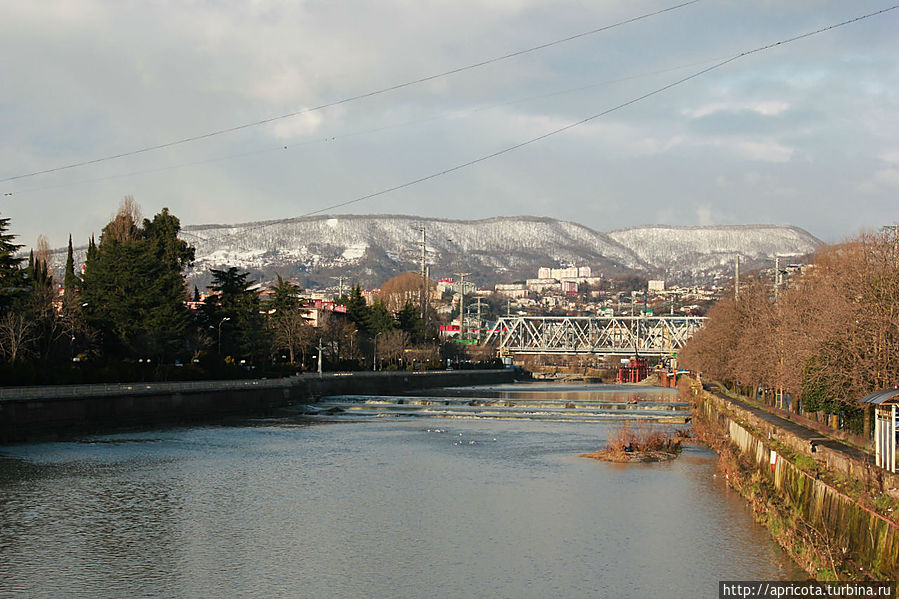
(598, 115)
(370, 94)
(327, 139)
(582, 121)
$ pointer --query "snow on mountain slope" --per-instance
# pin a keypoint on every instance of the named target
(371, 249)
(695, 249)
(346, 241)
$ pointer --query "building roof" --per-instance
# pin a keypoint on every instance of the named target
(884, 396)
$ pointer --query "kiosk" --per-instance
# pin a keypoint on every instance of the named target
(886, 403)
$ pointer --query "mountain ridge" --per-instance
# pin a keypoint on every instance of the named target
(497, 249)
(372, 248)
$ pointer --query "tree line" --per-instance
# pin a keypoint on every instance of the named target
(822, 343)
(128, 315)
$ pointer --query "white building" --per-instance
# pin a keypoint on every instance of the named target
(571, 272)
(513, 290)
(541, 285)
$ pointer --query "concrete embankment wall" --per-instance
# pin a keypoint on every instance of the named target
(32, 413)
(868, 539)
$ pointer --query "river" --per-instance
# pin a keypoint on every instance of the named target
(372, 502)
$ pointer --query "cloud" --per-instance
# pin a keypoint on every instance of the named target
(94, 78)
(882, 179)
(767, 108)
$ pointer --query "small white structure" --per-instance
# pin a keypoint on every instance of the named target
(886, 435)
(656, 285)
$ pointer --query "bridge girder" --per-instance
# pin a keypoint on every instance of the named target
(605, 335)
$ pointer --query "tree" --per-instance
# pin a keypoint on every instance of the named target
(134, 290)
(357, 309)
(409, 320)
(402, 289)
(17, 334)
(831, 338)
(379, 319)
(71, 283)
(290, 330)
(234, 310)
(340, 338)
(12, 280)
(391, 346)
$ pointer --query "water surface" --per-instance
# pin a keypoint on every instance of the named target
(371, 507)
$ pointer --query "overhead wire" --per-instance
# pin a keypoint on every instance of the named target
(315, 140)
(361, 96)
(572, 125)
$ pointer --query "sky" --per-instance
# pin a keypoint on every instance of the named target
(804, 134)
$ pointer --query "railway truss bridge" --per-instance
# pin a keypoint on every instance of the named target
(606, 335)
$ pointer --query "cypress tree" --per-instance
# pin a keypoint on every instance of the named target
(70, 282)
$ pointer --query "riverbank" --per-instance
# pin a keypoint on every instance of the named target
(808, 499)
(54, 412)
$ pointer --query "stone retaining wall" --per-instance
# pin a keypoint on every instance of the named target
(869, 539)
(48, 412)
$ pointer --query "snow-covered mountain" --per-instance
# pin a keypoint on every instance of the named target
(689, 251)
(372, 248)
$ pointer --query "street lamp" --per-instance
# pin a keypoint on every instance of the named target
(374, 352)
(221, 322)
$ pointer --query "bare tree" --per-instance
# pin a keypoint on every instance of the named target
(17, 336)
(392, 345)
(403, 288)
(123, 227)
(290, 331)
(44, 254)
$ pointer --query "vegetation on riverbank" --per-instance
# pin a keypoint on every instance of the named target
(128, 314)
(640, 443)
(822, 341)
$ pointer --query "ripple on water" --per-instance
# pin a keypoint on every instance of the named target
(375, 507)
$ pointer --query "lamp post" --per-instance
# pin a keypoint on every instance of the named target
(221, 322)
(374, 352)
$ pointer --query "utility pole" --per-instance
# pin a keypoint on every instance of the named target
(479, 300)
(340, 283)
(462, 276)
(776, 277)
(737, 279)
(424, 286)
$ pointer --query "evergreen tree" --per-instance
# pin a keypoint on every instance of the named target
(134, 289)
(70, 281)
(409, 320)
(12, 280)
(285, 296)
(357, 309)
(379, 320)
(234, 310)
